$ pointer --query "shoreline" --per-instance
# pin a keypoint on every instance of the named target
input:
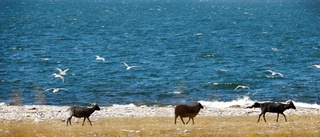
(44, 112)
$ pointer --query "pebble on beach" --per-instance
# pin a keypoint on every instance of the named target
(42, 112)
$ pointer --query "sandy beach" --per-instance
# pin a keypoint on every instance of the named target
(44, 112)
(131, 120)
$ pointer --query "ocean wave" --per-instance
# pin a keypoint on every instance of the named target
(246, 101)
(175, 64)
(241, 102)
(125, 105)
(237, 103)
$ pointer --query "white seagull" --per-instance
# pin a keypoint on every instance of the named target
(274, 73)
(100, 58)
(62, 72)
(129, 67)
(58, 76)
(317, 66)
(55, 90)
(241, 86)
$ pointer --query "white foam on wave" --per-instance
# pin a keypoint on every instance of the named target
(127, 105)
(177, 92)
(242, 102)
(4, 104)
(306, 105)
(246, 101)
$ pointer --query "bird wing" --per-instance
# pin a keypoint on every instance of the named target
(59, 76)
(126, 64)
(60, 70)
(66, 70)
(280, 74)
(248, 88)
(48, 89)
(100, 58)
(236, 88)
(270, 71)
(317, 66)
(62, 78)
(55, 90)
(63, 89)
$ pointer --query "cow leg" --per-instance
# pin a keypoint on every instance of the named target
(284, 117)
(89, 121)
(182, 120)
(69, 120)
(264, 117)
(84, 119)
(188, 120)
(175, 119)
(192, 121)
(259, 117)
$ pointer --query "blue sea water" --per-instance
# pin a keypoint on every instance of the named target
(186, 51)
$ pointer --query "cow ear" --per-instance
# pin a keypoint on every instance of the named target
(289, 101)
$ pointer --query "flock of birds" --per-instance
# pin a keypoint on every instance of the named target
(273, 73)
(63, 73)
(103, 59)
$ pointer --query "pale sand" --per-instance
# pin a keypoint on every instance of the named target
(44, 112)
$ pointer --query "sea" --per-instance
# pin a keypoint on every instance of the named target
(218, 52)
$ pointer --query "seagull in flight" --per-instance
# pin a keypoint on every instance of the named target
(274, 73)
(317, 66)
(241, 86)
(62, 72)
(58, 76)
(100, 58)
(55, 90)
(129, 67)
